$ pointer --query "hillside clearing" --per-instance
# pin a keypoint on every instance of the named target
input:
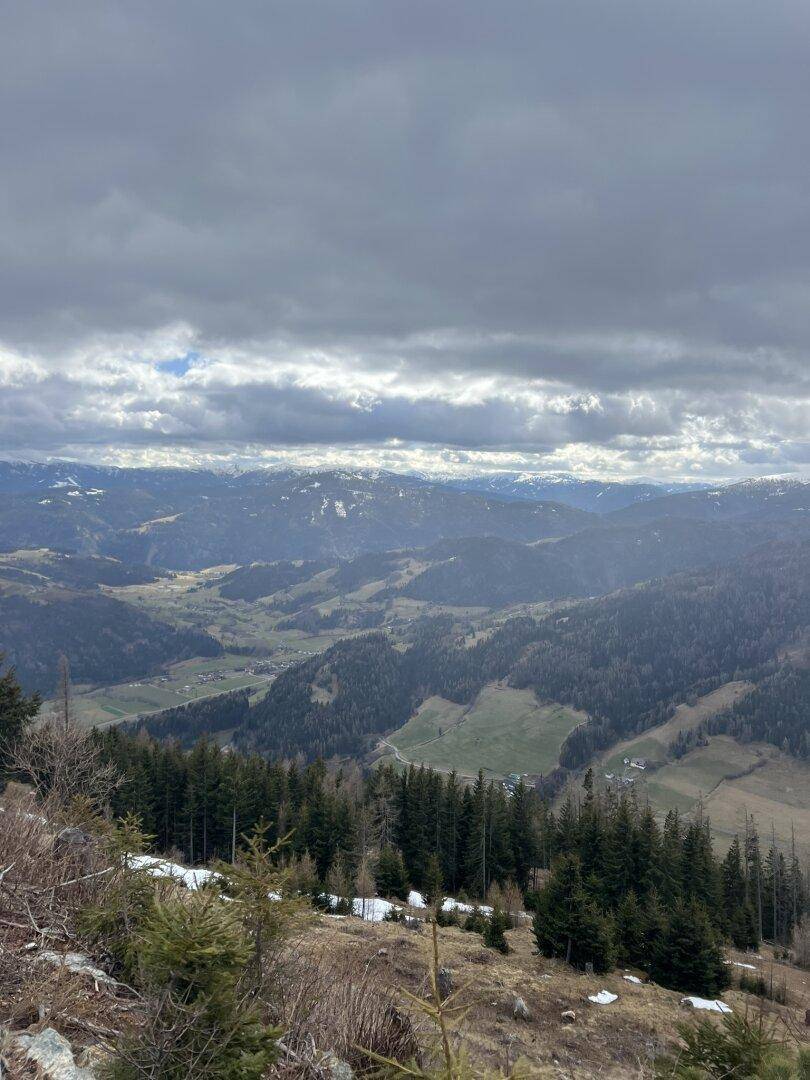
(504, 731)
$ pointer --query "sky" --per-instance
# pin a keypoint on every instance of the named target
(546, 235)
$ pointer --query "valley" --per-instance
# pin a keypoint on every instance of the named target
(468, 692)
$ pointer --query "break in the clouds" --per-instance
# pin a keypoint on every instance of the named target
(559, 236)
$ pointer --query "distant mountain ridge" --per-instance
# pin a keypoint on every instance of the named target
(756, 499)
(210, 519)
(596, 496)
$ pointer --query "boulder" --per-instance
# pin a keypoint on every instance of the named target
(53, 1056)
(74, 842)
(568, 1017)
(336, 1068)
(520, 1010)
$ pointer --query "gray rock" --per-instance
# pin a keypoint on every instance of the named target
(336, 1067)
(520, 1010)
(76, 844)
(78, 963)
(568, 1017)
(53, 1055)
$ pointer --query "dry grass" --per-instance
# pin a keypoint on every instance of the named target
(343, 1001)
(616, 1041)
(42, 888)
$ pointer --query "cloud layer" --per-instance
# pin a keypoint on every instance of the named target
(514, 235)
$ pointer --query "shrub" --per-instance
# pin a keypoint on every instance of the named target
(737, 1048)
(192, 953)
(494, 936)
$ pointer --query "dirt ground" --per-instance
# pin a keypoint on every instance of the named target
(617, 1040)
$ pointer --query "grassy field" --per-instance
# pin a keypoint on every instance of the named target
(727, 778)
(505, 730)
(654, 744)
(180, 684)
(433, 718)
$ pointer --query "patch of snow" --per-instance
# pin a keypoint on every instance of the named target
(45, 502)
(704, 1003)
(748, 967)
(371, 910)
(633, 979)
(340, 509)
(192, 879)
(450, 904)
(604, 997)
(417, 900)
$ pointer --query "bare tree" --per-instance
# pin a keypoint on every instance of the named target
(64, 763)
(62, 759)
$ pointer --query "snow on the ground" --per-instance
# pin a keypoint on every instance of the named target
(604, 997)
(449, 904)
(78, 963)
(372, 909)
(704, 1003)
(417, 900)
(192, 879)
(633, 979)
(748, 967)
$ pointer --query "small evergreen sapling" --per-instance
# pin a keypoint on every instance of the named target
(494, 930)
(192, 955)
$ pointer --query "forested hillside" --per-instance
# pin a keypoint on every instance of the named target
(362, 687)
(776, 711)
(425, 828)
(39, 569)
(627, 659)
(104, 639)
(624, 660)
(769, 498)
(496, 573)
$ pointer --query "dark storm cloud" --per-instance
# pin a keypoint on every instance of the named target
(602, 209)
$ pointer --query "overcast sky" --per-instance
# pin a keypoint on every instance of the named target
(544, 235)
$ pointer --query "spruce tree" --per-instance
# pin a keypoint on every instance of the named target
(494, 931)
(690, 958)
(391, 877)
(631, 932)
(568, 925)
(16, 710)
(192, 953)
(433, 883)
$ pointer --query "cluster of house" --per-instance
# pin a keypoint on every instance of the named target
(630, 763)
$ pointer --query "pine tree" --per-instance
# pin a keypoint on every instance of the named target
(494, 931)
(263, 892)
(568, 925)
(740, 919)
(391, 877)
(690, 958)
(16, 711)
(631, 936)
(433, 882)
